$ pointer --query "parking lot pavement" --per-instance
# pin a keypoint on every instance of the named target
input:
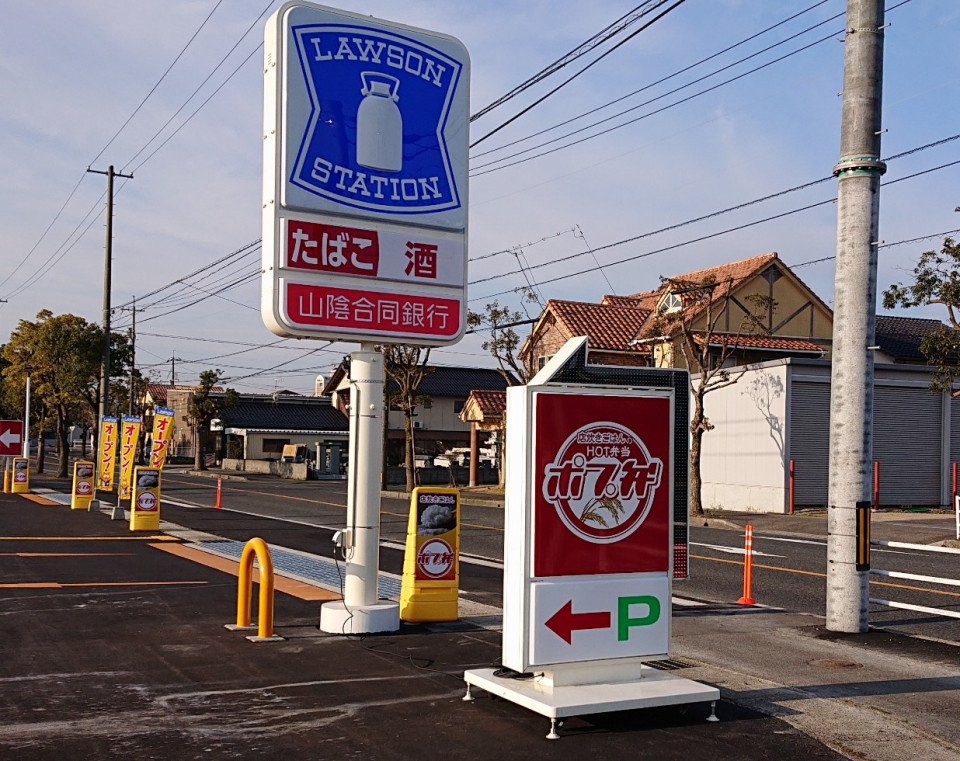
(113, 648)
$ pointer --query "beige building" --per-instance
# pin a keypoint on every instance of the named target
(795, 322)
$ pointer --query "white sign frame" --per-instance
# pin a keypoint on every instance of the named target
(525, 607)
(291, 123)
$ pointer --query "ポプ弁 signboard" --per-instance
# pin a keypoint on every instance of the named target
(589, 543)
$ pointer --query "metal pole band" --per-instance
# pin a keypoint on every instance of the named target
(859, 165)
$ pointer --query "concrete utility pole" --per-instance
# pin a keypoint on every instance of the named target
(855, 294)
(107, 264)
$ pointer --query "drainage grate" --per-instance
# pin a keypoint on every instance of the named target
(302, 566)
(671, 664)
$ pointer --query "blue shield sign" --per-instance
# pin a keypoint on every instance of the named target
(374, 138)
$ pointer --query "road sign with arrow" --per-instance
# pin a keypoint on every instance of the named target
(11, 438)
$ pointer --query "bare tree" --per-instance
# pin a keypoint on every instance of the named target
(406, 366)
(708, 352)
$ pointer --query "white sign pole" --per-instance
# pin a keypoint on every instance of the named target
(26, 420)
(361, 611)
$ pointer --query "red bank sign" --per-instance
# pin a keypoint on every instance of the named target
(602, 463)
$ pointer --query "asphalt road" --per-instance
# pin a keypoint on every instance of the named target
(789, 569)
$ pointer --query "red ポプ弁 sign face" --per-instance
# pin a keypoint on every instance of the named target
(602, 494)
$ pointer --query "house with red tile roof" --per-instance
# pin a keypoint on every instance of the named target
(796, 322)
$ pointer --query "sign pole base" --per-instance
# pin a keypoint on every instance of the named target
(382, 616)
(117, 513)
(652, 688)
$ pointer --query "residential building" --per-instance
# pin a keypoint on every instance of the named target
(259, 426)
(795, 321)
(437, 424)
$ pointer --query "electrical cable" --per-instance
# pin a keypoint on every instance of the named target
(47, 230)
(197, 90)
(737, 207)
(153, 89)
(566, 59)
(491, 166)
(669, 77)
(711, 235)
(567, 81)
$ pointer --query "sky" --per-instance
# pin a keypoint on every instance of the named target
(84, 85)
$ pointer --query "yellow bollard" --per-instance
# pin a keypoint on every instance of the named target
(256, 547)
(6, 481)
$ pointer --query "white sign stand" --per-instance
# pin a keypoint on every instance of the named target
(361, 610)
(578, 634)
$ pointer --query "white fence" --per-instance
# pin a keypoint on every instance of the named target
(918, 577)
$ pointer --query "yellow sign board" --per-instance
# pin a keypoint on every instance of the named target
(83, 479)
(431, 567)
(21, 475)
(145, 503)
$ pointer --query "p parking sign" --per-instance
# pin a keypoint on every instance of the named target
(365, 178)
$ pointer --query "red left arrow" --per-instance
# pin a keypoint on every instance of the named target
(564, 622)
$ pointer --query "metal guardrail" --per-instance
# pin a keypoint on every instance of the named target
(918, 577)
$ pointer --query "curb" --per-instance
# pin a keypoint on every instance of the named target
(215, 474)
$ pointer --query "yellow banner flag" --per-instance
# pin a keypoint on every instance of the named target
(129, 435)
(107, 453)
(162, 430)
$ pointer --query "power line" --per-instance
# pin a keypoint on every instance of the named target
(581, 71)
(737, 207)
(47, 230)
(491, 167)
(200, 87)
(670, 76)
(608, 32)
(704, 237)
(153, 89)
(196, 272)
(882, 245)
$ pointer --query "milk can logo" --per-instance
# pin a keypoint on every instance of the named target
(379, 107)
(602, 482)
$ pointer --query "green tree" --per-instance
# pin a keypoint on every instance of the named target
(120, 354)
(63, 353)
(205, 406)
(936, 280)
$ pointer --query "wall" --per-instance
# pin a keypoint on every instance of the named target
(743, 458)
(780, 411)
(439, 417)
(296, 471)
(253, 444)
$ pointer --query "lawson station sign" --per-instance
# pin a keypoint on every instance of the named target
(365, 179)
